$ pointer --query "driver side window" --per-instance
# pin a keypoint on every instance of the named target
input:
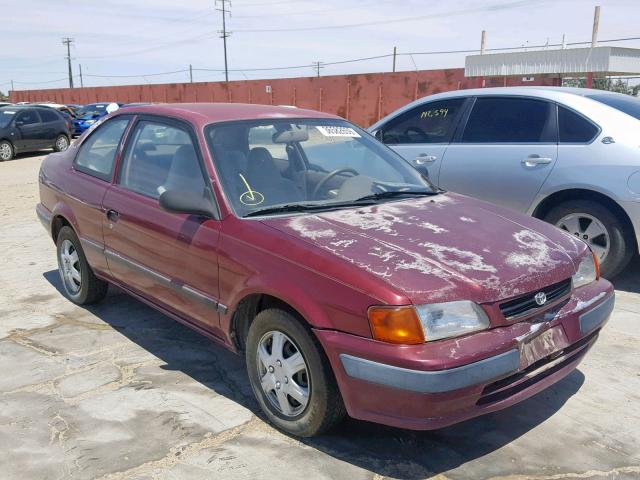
(432, 122)
(28, 117)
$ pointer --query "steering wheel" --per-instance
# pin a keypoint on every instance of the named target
(322, 183)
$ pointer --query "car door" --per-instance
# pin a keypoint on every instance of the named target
(50, 125)
(30, 129)
(421, 135)
(505, 152)
(93, 166)
(169, 258)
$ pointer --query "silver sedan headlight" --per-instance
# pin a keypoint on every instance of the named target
(588, 271)
(451, 319)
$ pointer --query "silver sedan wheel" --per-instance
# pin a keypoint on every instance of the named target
(5, 151)
(62, 143)
(70, 267)
(283, 373)
(590, 229)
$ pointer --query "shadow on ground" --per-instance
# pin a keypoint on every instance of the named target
(629, 279)
(384, 450)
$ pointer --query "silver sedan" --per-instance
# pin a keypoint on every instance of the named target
(570, 156)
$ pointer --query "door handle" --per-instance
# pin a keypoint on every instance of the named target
(423, 158)
(112, 215)
(533, 160)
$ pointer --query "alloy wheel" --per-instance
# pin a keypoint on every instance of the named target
(283, 373)
(590, 229)
(5, 151)
(70, 267)
(62, 143)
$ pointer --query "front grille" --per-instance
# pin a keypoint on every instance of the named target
(526, 303)
(507, 387)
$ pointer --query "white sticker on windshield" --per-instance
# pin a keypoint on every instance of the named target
(8, 112)
(332, 131)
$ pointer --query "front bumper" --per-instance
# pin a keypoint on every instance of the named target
(434, 385)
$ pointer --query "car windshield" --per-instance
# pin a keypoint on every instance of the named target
(88, 111)
(293, 164)
(6, 115)
(625, 103)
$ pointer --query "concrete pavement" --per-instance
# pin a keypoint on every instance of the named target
(119, 391)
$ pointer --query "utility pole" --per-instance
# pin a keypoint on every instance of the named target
(483, 42)
(81, 80)
(223, 33)
(12, 85)
(68, 41)
(596, 26)
(317, 66)
(394, 58)
(190, 73)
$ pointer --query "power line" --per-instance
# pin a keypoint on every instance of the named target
(342, 62)
(493, 7)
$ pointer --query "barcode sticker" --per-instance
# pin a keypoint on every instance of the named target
(332, 131)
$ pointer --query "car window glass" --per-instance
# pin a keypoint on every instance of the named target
(625, 103)
(509, 120)
(161, 157)
(432, 122)
(28, 117)
(97, 153)
(49, 116)
(574, 128)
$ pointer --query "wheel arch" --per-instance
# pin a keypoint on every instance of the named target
(62, 216)
(561, 196)
(249, 306)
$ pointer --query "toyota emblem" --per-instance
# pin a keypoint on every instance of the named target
(540, 298)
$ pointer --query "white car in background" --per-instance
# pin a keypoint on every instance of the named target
(570, 156)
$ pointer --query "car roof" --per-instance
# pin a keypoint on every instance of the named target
(205, 113)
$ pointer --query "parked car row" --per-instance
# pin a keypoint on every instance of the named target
(349, 281)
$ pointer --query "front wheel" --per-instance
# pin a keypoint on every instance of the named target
(78, 280)
(290, 376)
(62, 143)
(601, 229)
(6, 151)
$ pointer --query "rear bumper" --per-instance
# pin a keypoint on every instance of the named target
(408, 387)
(44, 215)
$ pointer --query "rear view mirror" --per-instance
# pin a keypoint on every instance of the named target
(188, 202)
(288, 136)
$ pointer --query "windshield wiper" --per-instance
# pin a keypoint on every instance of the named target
(299, 207)
(396, 193)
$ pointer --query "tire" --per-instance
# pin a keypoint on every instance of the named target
(62, 143)
(80, 284)
(7, 152)
(324, 408)
(620, 242)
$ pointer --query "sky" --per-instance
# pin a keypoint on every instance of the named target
(131, 42)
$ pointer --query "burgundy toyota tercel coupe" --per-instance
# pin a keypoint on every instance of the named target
(348, 280)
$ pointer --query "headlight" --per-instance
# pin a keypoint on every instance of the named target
(588, 271)
(452, 319)
(89, 122)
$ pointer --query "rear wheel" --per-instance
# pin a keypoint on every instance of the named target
(6, 151)
(601, 229)
(290, 376)
(62, 143)
(78, 280)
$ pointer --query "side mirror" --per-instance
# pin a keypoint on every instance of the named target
(178, 201)
(378, 134)
(19, 123)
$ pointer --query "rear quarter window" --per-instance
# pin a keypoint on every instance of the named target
(574, 128)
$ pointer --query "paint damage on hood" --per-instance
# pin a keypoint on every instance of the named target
(443, 248)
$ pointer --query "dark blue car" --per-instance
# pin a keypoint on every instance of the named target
(88, 115)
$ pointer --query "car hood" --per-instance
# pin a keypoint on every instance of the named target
(442, 248)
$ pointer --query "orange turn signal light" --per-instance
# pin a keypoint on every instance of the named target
(396, 325)
(596, 264)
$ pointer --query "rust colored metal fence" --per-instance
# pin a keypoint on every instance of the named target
(361, 98)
